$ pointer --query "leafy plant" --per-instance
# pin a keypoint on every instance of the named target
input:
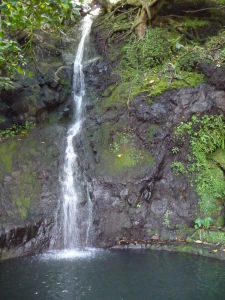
(175, 150)
(22, 18)
(205, 136)
(16, 130)
(178, 167)
(203, 223)
(153, 50)
(166, 221)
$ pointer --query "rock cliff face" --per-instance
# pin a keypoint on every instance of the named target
(134, 190)
(30, 162)
(125, 153)
(136, 195)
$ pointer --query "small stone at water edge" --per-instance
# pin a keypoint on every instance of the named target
(198, 242)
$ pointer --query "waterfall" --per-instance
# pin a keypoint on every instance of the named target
(70, 181)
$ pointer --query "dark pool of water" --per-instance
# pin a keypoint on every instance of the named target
(115, 275)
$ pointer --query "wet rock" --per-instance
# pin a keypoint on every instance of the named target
(47, 89)
(131, 202)
(29, 190)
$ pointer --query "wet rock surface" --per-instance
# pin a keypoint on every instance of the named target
(45, 88)
(30, 164)
(136, 200)
(125, 153)
(29, 190)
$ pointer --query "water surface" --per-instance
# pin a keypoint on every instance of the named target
(113, 275)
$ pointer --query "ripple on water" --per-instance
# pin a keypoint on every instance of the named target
(69, 254)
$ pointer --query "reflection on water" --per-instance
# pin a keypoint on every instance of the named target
(115, 275)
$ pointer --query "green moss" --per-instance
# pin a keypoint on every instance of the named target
(151, 132)
(214, 47)
(119, 152)
(193, 249)
(211, 186)
(127, 157)
(194, 22)
(23, 205)
(151, 232)
(206, 139)
(26, 190)
(8, 150)
(126, 154)
(219, 221)
(115, 96)
(209, 236)
(2, 119)
(219, 157)
(149, 52)
(160, 85)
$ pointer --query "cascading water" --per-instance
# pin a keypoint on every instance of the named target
(70, 179)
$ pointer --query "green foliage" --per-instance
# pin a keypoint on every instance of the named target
(151, 132)
(16, 130)
(153, 50)
(208, 236)
(120, 140)
(194, 22)
(119, 151)
(191, 56)
(166, 219)
(215, 47)
(25, 17)
(175, 150)
(178, 167)
(126, 155)
(165, 81)
(116, 96)
(156, 64)
(203, 223)
(205, 135)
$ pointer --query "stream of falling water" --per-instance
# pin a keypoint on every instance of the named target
(70, 179)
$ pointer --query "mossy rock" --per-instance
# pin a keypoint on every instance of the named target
(26, 191)
(8, 150)
(219, 157)
(219, 221)
(115, 96)
(160, 85)
(119, 152)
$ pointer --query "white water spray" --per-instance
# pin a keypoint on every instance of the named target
(70, 180)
